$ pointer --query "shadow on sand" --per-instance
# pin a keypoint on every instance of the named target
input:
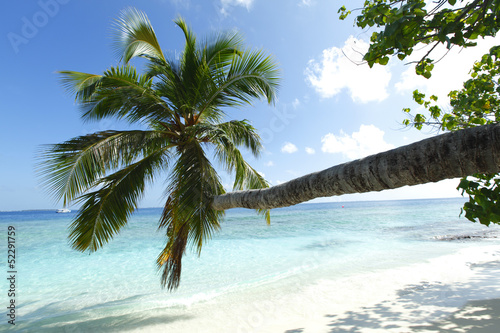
(475, 316)
(432, 307)
(122, 323)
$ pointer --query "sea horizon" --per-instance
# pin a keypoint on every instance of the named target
(302, 203)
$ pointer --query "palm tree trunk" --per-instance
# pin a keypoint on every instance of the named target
(455, 154)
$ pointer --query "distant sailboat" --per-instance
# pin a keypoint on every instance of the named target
(63, 210)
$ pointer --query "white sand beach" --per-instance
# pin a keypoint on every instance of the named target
(453, 293)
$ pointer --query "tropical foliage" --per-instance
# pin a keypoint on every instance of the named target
(404, 25)
(178, 105)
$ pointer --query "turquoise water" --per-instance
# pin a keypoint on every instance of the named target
(118, 287)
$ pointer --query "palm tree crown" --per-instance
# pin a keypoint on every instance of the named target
(181, 102)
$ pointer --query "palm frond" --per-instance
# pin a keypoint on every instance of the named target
(266, 213)
(226, 137)
(120, 93)
(158, 68)
(252, 75)
(82, 85)
(192, 71)
(217, 55)
(188, 216)
(219, 52)
(195, 182)
(243, 134)
(71, 168)
(230, 135)
(170, 258)
(189, 36)
(135, 36)
(105, 211)
(246, 177)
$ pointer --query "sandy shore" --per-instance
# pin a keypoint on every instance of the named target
(457, 293)
(454, 293)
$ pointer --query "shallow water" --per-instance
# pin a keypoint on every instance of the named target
(118, 287)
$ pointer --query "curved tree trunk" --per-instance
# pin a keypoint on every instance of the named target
(450, 155)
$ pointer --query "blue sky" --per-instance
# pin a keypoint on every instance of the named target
(331, 108)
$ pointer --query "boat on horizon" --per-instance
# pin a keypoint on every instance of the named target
(63, 210)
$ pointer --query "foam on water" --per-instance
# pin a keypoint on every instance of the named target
(246, 263)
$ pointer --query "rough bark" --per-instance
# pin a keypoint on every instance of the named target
(450, 155)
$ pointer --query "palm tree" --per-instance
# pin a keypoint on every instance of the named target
(179, 104)
(455, 154)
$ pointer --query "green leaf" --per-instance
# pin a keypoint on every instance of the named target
(383, 61)
(105, 211)
(135, 37)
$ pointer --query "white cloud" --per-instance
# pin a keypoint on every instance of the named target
(231, 3)
(295, 103)
(310, 151)
(340, 69)
(289, 148)
(305, 3)
(262, 174)
(269, 164)
(448, 74)
(367, 141)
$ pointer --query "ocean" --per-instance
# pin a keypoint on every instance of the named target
(248, 266)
